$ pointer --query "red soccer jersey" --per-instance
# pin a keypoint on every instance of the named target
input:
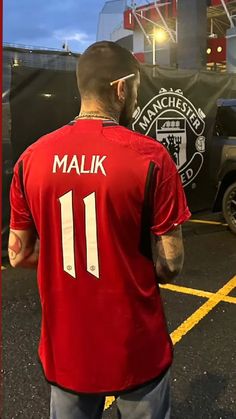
(94, 191)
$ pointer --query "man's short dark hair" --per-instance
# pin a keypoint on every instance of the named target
(102, 63)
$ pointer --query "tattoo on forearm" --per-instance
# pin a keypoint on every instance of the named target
(15, 246)
(168, 252)
(170, 263)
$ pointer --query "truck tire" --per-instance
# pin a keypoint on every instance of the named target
(229, 206)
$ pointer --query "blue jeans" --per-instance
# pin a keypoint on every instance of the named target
(147, 402)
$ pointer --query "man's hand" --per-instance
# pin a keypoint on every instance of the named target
(23, 248)
(168, 254)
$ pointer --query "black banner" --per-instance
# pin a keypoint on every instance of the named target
(40, 102)
(178, 108)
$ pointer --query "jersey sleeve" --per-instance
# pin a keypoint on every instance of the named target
(21, 218)
(170, 205)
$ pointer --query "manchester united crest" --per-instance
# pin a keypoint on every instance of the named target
(179, 126)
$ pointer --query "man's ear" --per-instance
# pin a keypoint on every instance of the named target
(121, 90)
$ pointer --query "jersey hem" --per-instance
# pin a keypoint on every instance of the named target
(114, 393)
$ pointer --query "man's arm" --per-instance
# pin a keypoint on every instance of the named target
(23, 248)
(168, 254)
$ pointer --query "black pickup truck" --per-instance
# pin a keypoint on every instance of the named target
(223, 160)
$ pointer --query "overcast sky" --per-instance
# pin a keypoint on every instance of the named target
(49, 23)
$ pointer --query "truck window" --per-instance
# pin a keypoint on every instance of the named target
(226, 121)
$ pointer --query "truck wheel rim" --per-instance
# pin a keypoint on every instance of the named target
(232, 206)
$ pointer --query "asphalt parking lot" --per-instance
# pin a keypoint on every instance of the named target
(200, 307)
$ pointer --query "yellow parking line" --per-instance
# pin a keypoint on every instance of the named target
(186, 290)
(199, 314)
(198, 293)
(229, 300)
(187, 325)
(109, 401)
(208, 222)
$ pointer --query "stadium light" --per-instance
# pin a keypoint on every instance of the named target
(159, 36)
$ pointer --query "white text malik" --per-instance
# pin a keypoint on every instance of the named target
(80, 164)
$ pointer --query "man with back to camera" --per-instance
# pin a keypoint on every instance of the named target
(100, 194)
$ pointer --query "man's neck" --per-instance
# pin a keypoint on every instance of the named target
(92, 111)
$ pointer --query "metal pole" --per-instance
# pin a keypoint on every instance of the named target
(227, 13)
(176, 23)
(153, 50)
(141, 26)
(164, 22)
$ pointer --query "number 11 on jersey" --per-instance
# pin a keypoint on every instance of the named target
(67, 228)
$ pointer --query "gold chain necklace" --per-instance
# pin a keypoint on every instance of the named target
(94, 115)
